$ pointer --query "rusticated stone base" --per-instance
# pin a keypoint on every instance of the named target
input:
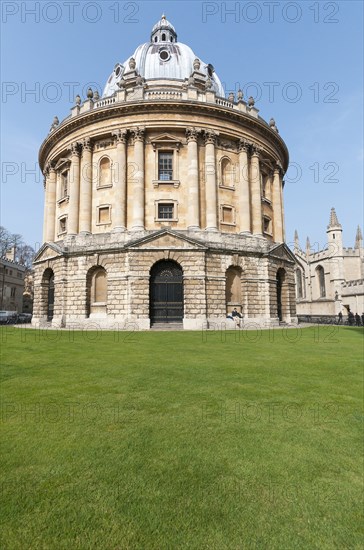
(127, 259)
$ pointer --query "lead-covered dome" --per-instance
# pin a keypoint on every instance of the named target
(163, 58)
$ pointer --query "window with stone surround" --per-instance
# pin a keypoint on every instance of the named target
(165, 165)
(266, 186)
(96, 284)
(299, 284)
(320, 276)
(104, 175)
(227, 173)
(267, 225)
(166, 210)
(103, 214)
(166, 160)
(62, 225)
(233, 289)
(64, 183)
(227, 214)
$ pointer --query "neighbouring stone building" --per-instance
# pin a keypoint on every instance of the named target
(330, 280)
(12, 276)
(163, 202)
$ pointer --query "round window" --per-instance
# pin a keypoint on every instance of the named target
(117, 70)
(164, 55)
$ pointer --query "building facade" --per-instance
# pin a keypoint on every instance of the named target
(330, 280)
(163, 201)
(11, 285)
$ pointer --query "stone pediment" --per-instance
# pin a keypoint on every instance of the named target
(282, 252)
(167, 239)
(46, 252)
(165, 139)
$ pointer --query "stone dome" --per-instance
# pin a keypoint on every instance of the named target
(163, 58)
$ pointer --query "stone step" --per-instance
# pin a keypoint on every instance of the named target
(167, 326)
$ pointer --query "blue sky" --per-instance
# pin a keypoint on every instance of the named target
(303, 61)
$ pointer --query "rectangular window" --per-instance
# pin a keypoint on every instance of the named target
(165, 211)
(267, 225)
(227, 215)
(63, 225)
(13, 290)
(104, 214)
(165, 166)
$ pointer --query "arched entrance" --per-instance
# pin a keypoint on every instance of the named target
(166, 292)
(281, 275)
(47, 290)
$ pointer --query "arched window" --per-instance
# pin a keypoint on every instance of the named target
(299, 284)
(227, 173)
(104, 172)
(320, 274)
(266, 186)
(96, 291)
(163, 37)
(233, 289)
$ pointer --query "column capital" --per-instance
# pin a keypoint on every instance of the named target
(191, 134)
(210, 137)
(121, 136)
(278, 168)
(255, 150)
(243, 146)
(138, 133)
(48, 168)
(74, 148)
(87, 145)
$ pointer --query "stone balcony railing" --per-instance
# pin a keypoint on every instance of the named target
(161, 93)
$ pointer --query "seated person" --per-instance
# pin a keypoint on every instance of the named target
(236, 316)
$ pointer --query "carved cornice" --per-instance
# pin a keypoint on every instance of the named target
(245, 121)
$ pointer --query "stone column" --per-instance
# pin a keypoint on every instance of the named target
(51, 203)
(119, 211)
(277, 206)
(244, 191)
(137, 221)
(85, 215)
(74, 191)
(256, 193)
(193, 210)
(210, 187)
(45, 207)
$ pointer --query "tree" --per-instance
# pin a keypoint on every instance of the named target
(24, 253)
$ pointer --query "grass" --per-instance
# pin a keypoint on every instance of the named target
(182, 440)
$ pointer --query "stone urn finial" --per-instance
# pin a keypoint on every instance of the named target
(96, 95)
(272, 124)
(231, 96)
(196, 64)
(251, 101)
(56, 121)
(78, 100)
(240, 95)
(132, 64)
(90, 93)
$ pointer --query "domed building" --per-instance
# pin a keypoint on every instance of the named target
(163, 202)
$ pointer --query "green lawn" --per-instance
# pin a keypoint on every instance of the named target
(164, 440)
